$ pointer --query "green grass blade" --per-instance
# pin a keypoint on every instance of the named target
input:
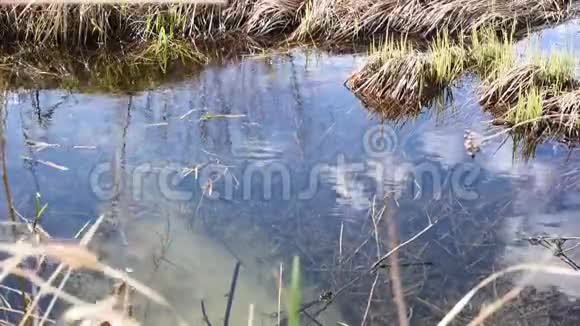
(295, 292)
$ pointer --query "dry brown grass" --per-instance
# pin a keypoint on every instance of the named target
(327, 20)
(303, 20)
(565, 111)
(542, 93)
(401, 76)
(399, 79)
(274, 16)
(504, 91)
(98, 24)
(426, 18)
(36, 248)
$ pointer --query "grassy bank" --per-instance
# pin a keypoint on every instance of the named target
(130, 46)
(263, 21)
(158, 34)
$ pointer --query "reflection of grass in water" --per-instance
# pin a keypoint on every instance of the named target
(97, 71)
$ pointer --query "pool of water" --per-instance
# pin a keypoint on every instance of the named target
(265, 158)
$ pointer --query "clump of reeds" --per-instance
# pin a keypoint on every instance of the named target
(491, 52)
(556, 70)
(542, 93)
(396, 72)
(326, 20)
(399, 74)
(509, 86)
(427, 17)
(274, 16)
(528, 107)
(564, 110)
(554, 73)
(448, 60)
(323, 20)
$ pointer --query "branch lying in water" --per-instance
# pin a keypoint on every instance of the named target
(388, 254)
(231, 294)
(205, 317)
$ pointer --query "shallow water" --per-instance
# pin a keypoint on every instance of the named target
(262, 159)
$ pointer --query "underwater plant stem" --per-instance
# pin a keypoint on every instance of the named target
(395, 272)
(401, 245)
(204, 313)
(280, 278)
(231, 293)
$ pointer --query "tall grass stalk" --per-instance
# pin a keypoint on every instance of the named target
(295, 294)
(555, 70)
(448, 60)
(529, 107)
(389, 48)
(492, 54)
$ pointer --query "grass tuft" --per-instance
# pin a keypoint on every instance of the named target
(491, 53)
(295, 294)
(555, 70)
(448, 60)
(529, 107)
(396, 72)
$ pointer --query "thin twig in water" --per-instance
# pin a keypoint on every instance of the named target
(187, 114)
(204, 313)
(280, 274)
(312, 318)
(376, 280)
(395, 272)
(158, 124)
(231, 293)
(340, 242)
(369, 301)
(555, 245)
(251, 315)
(399, 246)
